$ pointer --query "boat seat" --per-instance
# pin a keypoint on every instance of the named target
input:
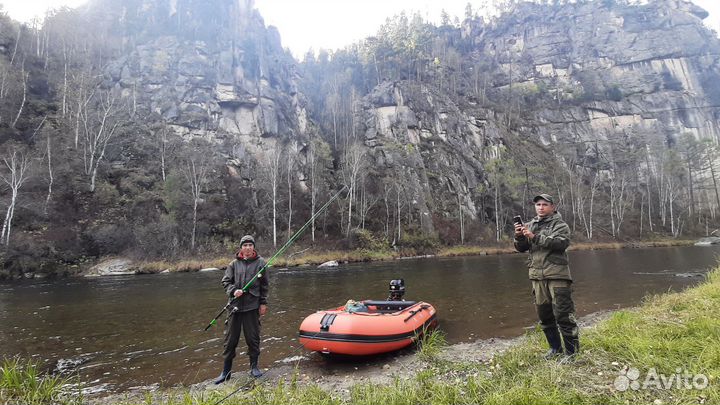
(389, 305)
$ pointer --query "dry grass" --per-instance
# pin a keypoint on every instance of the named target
(315, 257)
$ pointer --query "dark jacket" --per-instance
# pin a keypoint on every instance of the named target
(238, 273)
(548, 249)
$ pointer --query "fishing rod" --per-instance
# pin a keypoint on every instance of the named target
(280, 251)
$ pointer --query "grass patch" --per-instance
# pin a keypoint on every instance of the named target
(430, 343)
(22, 383)
(467, 250)
(313, 257)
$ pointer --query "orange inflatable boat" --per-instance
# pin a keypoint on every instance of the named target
(367, 327)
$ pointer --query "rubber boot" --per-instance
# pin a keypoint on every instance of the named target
(572, 345)
(553, 338)
(225, 375)
(254, 370)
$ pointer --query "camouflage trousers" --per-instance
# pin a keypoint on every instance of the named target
(554, 305)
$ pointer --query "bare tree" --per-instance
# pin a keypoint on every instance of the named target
(586, 218)
(318, 158)
(398, 206)
(196, 174)
(672, 194)
(462, 223)
(386, 199)
(84, 94)
(17, 43)
(711, 156)
(50, 174)
(290, 172)
(24, 75)
(313, 190)
(647, 185)
(352, 164)
(18, 165)
(272, 167)
(333, 103)
(367, 202)
(165, 148)
(618, 201)
(99, 128)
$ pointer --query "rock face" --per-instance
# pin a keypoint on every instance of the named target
(429, 144)
(640, 69)
(577, 74)
(226, 78)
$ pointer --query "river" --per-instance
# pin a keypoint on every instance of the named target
(129, 331)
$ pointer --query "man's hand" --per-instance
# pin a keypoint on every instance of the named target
(528, 234)
(262, 309)
(519, 229)
(238, 293)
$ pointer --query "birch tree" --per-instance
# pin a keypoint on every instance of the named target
(367, 201)
(195, 171)
(165, 147)
(272, 168)
(618, 201)
(290, 161)
(398, 207)
(312, 163)
(318, 158)
(51, 178)
(353, 162)
(387, 188)
(99, 126)
(17, 164)
(24, 77)
(584, 200)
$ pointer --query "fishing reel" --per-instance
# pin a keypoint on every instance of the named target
(397, 290)
(232, 309)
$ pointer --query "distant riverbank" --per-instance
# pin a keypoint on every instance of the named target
(314, 257)
(301, 256)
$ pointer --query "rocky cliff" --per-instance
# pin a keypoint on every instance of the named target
(208, 70)
(442, 131)
(581, 75)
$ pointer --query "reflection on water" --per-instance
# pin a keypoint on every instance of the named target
(131, 331)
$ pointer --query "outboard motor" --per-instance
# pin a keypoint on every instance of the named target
(397, 290)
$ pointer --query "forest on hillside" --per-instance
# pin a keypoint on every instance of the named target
(93, 166)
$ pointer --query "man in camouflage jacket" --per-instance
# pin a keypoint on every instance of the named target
(547, 237)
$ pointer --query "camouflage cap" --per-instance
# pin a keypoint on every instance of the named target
(545, 197)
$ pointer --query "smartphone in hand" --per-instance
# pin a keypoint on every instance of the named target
(517, 220)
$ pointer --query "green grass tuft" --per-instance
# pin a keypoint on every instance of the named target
(430, 343)
(22, 383)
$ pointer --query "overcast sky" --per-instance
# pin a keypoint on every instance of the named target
(328, 24)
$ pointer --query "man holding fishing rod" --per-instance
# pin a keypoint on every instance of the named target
(246, 284)
(247, 306)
